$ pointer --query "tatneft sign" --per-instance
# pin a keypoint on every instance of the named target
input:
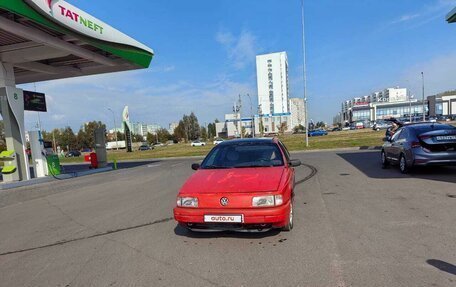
(82, 22)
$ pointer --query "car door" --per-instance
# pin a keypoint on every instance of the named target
(397, 142)
(290, 170)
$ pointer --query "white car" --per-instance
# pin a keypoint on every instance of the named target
(198, 143)
(217, 141)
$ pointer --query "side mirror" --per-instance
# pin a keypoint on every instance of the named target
(294, 162)
(195, 166)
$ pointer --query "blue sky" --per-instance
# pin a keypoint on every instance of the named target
(205, 56)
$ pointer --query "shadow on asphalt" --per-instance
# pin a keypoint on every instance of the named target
(182, 231)
(369, 163)
(442, 265)
(71, 168)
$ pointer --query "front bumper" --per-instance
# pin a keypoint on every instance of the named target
(273, 217)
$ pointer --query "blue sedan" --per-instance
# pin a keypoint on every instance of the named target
(317, 133)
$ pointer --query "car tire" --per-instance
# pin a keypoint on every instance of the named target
(289, 225)
(385, 162)
(403, 167)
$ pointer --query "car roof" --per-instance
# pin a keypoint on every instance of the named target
(249, 140)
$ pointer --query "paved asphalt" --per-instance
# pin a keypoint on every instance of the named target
(355, 225)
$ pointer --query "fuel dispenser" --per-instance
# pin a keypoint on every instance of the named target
(45, 161)
(9, 170)
(100, 147)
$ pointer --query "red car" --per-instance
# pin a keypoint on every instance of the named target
(241, 184)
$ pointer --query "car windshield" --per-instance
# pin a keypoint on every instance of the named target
(243, 155)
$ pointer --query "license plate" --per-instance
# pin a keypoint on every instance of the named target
(224, 218)
(445, 138)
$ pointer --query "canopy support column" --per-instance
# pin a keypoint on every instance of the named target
(12, 110)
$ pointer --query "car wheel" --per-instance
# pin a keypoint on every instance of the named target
(289, 225)
(385, 162)
(403, 164)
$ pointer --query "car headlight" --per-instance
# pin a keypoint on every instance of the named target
(187, 201)
(267, 200)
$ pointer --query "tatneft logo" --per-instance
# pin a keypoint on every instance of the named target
(49, 2)
(80, 19)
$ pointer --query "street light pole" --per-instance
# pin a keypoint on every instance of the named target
(237, 111)
(304, 70)
(424, 113)
(251, 115)
(410, 108)
(115, 128)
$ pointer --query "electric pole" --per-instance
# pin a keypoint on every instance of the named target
(237, 111)
(424, 110)
(304, 70)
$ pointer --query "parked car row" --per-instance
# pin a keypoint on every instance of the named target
(381, 125)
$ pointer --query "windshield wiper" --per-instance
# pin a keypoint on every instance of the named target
(255, 165)
(215, 167)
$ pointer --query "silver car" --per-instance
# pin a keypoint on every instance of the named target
(420, 144)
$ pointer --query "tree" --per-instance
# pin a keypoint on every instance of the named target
(261, 126)
(203, 133)
(299, 129)
(163, 135)
(211, 130)
(243, 132)
(67, 140)
(320, 125)
(180, 132)
(120, 136)
(86, 133)
(194, 127)
(137, 138)
(188, 128)
(282, 128)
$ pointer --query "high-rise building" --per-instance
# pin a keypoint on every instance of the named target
(297, 112)
(272, 83)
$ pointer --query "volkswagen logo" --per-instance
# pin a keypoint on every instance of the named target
(224, 201)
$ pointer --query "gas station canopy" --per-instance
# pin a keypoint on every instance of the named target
(451, 17)
(52, 39)
(44, 40)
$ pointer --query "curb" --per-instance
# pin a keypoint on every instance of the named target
(339, 149)
(143, 159)
(10, 185)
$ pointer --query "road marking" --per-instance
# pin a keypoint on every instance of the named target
(153, 165)
(177, 164)
(336, 260)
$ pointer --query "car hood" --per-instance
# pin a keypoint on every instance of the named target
(234, 180)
